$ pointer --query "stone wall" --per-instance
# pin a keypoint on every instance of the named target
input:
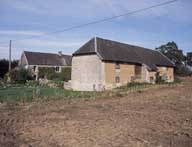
(125, 73)
(87, 73)
(168, 72)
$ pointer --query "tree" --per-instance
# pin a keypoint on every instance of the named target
(4, 66)
(20, 75)
(176, 55)
(189, 59)
(172, 51)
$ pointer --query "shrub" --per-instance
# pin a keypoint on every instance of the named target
(66, 74)
(19, 76)
(134, 84)
(59, 84)
(32, 83)
(182, 71)
(50, 74)
(1, 83)
(159, 79)
(46, 72)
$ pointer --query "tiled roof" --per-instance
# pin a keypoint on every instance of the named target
(37, 58)
(120, 52)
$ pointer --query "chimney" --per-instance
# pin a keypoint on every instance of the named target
(60, 53)
(95, 44)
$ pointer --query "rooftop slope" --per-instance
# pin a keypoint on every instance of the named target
(37, 58)
(121, 52)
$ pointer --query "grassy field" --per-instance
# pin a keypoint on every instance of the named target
(22, 93)
(26, 93)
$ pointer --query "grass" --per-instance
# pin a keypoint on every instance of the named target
(27, 93)
(23, 93)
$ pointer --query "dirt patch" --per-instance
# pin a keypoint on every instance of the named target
(153, 118)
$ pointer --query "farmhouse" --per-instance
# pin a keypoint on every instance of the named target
(35, 60)
(104, 64)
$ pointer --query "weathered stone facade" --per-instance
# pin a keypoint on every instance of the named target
(89, 73)
(167, 72)
(125, 73)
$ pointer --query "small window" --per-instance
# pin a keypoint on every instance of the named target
(117, 66)
(117, 79)
(57, 69)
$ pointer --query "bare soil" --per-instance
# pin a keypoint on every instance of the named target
(157, 117)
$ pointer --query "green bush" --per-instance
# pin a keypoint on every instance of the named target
(159, 79)
(134, 84)
(66, 74)
(182, 71)
(50, 74)
(59, 84)
(1, 84)
(19, 76)
(46, 72)
(32, 83)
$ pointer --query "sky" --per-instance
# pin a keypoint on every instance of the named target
(20, 19)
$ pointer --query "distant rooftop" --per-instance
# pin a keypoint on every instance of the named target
(50, 59)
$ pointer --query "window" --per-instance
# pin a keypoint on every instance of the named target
(57, 69)
(117, 66)
(117, 79)
(34, 68)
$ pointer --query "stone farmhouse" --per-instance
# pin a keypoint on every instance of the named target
(35, 60)
(104, 64)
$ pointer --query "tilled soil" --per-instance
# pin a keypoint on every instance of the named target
(158, 117)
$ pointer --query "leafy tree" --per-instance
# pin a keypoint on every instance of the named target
(20, 75)
(172, 51)
(176, 55)
(4, 66)
(189, 59)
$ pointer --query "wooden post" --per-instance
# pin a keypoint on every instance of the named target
(10, 56)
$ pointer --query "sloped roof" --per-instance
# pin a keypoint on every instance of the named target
(120, 52)
(37, 58)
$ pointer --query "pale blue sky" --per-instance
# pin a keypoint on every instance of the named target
(25, 18)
